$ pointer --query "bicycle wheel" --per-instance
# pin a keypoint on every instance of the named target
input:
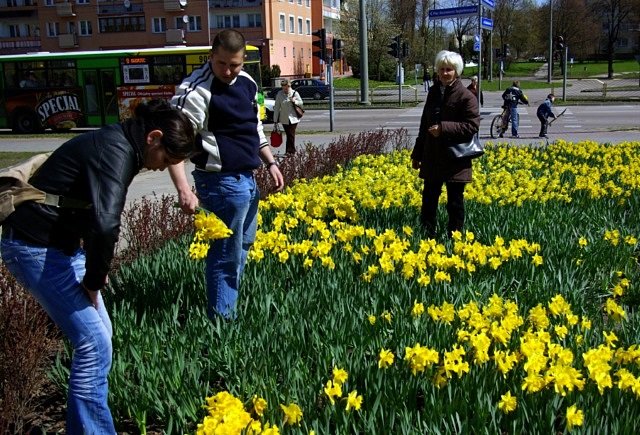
(496, 127)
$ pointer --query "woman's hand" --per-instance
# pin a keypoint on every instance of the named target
(435, 130)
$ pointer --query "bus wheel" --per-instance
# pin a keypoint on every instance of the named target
(26, 121)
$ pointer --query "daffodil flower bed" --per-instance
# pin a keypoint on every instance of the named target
(352, 321)
(541, 353)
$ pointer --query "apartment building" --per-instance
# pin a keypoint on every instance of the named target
(281, 29)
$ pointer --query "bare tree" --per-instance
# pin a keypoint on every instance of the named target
(612, 14)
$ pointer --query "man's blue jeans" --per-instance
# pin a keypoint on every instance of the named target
(515, 120)
(233, 197)
(53, 279)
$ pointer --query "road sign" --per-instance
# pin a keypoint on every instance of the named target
(486, 23)
(489, 4)
(463, 11)
(476, 46)
(476, 38)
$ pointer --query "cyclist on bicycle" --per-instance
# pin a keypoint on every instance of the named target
(512, 97)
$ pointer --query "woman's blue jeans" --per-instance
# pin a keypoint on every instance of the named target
(53, 279)
(233, 197)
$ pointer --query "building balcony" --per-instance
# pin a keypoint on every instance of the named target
(175, 37)
(68, 40)
(65, 10)
(174, 5)
(19, 45)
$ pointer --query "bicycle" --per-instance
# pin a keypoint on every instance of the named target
(500, 123)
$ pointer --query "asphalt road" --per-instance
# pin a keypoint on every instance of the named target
(610, 123)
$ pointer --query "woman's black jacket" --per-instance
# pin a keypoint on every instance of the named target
(96, 167)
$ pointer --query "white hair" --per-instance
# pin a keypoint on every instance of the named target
(450, 58)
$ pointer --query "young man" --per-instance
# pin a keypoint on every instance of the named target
(511, 97)
(220, 99)
(544, 112)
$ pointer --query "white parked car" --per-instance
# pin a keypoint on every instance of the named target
(268, 106)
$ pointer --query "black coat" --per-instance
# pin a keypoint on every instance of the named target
(457, 113)
(96, 167)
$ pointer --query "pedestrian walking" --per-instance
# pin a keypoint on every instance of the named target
(284, 112)
(426, 79)
(473, 87)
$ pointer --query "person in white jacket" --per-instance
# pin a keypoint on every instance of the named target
(284, 113)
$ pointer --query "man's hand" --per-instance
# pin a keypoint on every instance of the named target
(277, 177)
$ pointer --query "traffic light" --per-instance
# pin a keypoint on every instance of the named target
(394, 47)
(338, 45)
(559, 43)
(505, 50)
(405, 50)
(498, 52)
(321, 44)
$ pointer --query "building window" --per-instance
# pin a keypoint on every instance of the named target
(292, 28)
(300, 2)
(49, 2)
(85, 28)
(124, 24)
(14, 31)
(158, 24)
(82, 2)
(282, 28)
(226, 21)
(255, 20)
(195, 23)
(53, 29)
(308, 26)
(293, 52)
(299, 26)
(308, 3)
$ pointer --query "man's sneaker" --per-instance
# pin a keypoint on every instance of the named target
(544, 135)
(501, 135)
(515, 136)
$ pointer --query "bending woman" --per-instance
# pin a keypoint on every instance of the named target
(62, 255)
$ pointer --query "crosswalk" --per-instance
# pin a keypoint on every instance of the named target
(529, 123)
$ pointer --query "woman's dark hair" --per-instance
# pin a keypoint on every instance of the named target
(178, 136)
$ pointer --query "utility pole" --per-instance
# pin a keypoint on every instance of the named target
(550, 59)
(364, 57)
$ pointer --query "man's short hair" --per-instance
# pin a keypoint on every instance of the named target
(230, 40)
(516, 83)
(550, 96)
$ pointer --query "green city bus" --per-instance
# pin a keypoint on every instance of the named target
(66, 90)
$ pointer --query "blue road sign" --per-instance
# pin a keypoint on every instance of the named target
(463, 11)
(486, 23)
(476, 46)
(489, 4)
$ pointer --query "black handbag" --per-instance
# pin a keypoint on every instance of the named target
(299, 111)
(467, 150)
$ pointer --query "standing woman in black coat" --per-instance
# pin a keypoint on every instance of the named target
(450, 116)
(62, 254)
